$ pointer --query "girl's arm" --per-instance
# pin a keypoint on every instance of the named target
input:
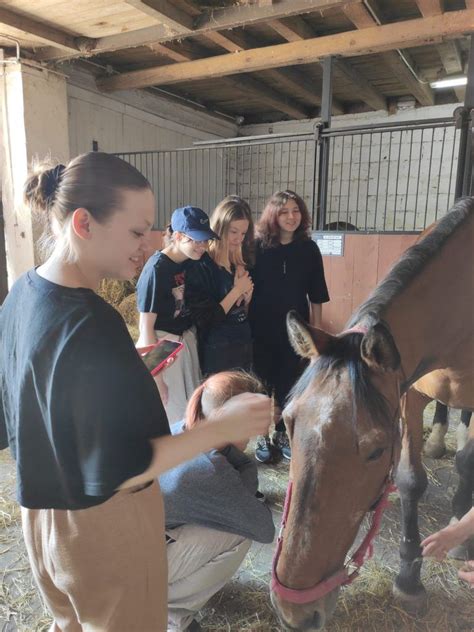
(315, 312)
(146, 328)
(439, 543)
(241, 417)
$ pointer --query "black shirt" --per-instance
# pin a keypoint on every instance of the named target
(160, 290)
(285, 277)
(207, 284)
(78, 407)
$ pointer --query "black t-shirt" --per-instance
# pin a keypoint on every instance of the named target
(285, 277)
(160, 290)
(78, 406)
(206, 285)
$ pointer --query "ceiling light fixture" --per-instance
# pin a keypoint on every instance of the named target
(449, 82)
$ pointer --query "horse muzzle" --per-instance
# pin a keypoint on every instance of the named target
(308, 617)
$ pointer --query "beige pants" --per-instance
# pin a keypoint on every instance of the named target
(102, 569)
(200, 562)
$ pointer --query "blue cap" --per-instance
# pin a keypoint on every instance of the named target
(193, 222)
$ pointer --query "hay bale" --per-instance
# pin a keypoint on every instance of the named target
(114, 291)
(128, 308)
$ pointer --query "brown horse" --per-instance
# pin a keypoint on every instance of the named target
(401, 347)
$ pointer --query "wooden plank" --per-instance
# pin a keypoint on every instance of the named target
(367, 41)
(179, 22)
(365, 268)
(365, 90)
(224, 42)
(363, 19)
(450, 57)
(421, 91)
(292, 30)
(246, 85)
(359, 15)
(42, 31)
(210, 20)
(428, 8)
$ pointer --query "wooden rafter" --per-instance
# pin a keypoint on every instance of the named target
(299, 30)
(48, 34)
(451, 59)
(365, 90)
(371, 40)
(246, 85)
(363, 19)
(429, 7)
(210, 20)
(179, 22)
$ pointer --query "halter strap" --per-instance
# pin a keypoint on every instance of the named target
(342, 577)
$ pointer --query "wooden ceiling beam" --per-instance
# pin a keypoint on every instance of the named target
(292, 80)
(177, 21)
(299, 30)
(359, 15)
(246, 85)
(371, 40)
(365, 90)
(210, 20)
(48, 34)
(363, 19)
(451, 59)
(292, 30)
(428, 8)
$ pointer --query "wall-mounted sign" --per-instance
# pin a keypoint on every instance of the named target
(329, 243)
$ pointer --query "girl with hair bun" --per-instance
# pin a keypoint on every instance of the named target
(81, 413)
(219, 289)
(163, 313)
(288, 275)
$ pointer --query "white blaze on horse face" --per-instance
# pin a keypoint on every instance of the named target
(325, 412)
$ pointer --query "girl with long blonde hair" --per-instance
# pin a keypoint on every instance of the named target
(219, 289)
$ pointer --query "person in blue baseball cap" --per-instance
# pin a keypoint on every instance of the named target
(163, 314)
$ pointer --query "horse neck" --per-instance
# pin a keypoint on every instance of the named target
(428, 318)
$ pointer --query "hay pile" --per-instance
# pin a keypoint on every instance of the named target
(121, 295)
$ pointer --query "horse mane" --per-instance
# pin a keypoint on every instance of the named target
(412, 262)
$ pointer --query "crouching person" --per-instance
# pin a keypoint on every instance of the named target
(211, 511)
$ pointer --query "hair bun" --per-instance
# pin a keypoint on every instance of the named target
(52, 180)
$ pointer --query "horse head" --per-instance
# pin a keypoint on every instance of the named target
(342, 420)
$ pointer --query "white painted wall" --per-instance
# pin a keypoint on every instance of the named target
(139, 121)
(392, 181)
(34, 125)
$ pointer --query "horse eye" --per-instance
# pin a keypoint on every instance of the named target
(376, 454)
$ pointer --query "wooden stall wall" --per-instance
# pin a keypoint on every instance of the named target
(352, 277)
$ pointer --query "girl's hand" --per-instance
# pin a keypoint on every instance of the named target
(467, 573)
(242, 416)
(439, 543)
(243, 283)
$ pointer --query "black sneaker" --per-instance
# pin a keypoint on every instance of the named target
(259, 496)
(282, 443)
(264, 449)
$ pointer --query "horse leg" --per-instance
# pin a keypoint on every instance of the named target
(462, 500)
(435, 446)
(462, 431)
(412, 481)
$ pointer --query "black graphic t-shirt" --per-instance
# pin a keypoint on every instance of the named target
(160, 290)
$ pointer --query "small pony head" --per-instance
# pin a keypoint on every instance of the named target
(342, 420)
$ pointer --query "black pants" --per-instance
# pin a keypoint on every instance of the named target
(278, 366)
(225, 357)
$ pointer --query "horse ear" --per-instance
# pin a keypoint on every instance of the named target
(307, 341)
(378, 349)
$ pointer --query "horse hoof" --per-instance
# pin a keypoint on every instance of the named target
(434, 450)
(414, 604)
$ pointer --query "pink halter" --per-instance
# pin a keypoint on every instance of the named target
(342, 577)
